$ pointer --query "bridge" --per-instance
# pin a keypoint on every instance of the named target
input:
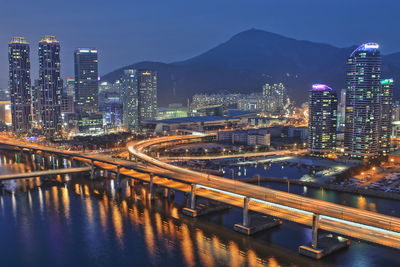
(14, 176)
(334, 218)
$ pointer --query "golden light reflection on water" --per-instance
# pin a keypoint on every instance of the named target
(236, 257)
(118, 224)
(164, 229)
(54, 193)
(149, 234)
(65, 202)
(273, 262)
(204, 247)
(89, 210)
(187, 246)
(103, 215)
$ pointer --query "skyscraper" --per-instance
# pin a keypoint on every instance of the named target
(50, 85)
(130, 99)
(20, 84)
(139, 92)
(361, 139)
(323, 120)
(385, 122)
(147, 90)
(86, 80)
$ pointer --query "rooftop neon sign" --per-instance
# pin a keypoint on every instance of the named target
(321, 87)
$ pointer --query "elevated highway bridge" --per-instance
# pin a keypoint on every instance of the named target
(346, 221)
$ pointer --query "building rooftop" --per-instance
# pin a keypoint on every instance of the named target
(18, 40)
(192, 119)
(238, 112)
(387, 81)
(367, 47)
(321, 87)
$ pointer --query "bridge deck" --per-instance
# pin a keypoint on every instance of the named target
(43, 173)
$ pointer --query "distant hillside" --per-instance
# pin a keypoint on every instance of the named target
(250, 59)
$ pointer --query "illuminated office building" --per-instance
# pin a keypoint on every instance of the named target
(147, 90)
(86, 80)
(323, 120)
(20, 84)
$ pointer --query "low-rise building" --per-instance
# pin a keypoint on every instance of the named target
(298, 132)
(250, 137)
(5, 111)
(192, 124)
(171, 113)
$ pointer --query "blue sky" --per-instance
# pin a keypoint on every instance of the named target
(128, 31)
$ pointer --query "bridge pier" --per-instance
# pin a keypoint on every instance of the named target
(92, 170)
(201, 209)
(260, 224)
(118, 172)
(151, 187)
(320, 247)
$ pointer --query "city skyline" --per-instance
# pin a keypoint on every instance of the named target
(144, 39)
(125, 141)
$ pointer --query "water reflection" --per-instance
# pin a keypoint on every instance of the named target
(106, 222)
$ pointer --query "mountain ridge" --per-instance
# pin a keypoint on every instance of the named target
(252, 58)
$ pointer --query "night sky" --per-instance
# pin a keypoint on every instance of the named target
(128, 31)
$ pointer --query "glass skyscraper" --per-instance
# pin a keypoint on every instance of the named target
(50, 85)
(86, 80)
(20, 84)
(323, 105)
(362, 134)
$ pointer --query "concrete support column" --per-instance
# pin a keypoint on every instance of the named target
(193, 196)
(246, 218)
(151, 186)
(166, 192)
(118, 172)
(315, 226)
(92, 171)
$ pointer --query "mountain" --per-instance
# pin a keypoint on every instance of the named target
(252, 58)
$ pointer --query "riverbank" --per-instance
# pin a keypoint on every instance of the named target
(333, 187)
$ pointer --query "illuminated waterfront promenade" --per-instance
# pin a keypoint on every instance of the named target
(365, 225)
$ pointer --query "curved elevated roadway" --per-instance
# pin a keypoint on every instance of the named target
(352, 222)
